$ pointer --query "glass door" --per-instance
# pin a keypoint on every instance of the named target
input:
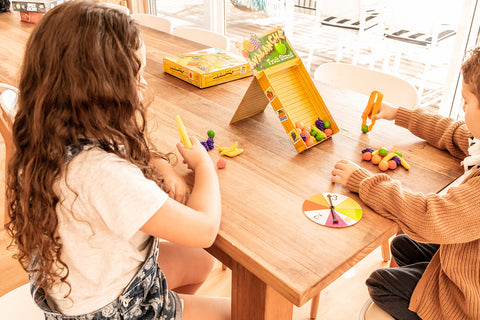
(204, 14)
(467, 39)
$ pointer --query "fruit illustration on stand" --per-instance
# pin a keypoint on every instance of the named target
(256, 42)
(281, 113)
(269, 94)
(294, 136)
(280, 48)
(247, 45)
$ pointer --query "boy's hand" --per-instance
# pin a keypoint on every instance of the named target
(342, 171)
(387, 112)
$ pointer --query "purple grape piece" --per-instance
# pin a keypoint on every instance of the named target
(210, 143)
(205, 145)
(304, 137)
(319, 124)
(367, 150)
(397, 160)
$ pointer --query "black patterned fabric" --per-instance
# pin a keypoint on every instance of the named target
(4, 5)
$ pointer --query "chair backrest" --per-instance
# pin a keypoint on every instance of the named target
(356, 15)
(420, 22)
(343, 8)
(154, 22)
(18, 304)
(363, 80)
(420, 15)
(206, 37)
(8, 103)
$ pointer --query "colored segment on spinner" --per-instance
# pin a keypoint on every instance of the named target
(310, 205)
(347, 211)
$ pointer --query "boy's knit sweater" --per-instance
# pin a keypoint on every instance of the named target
(450, 287)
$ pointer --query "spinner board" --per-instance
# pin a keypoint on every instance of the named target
(346, 211)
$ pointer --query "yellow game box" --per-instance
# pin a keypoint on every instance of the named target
(206, 68)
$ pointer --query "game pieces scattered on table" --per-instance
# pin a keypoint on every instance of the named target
(384, 158)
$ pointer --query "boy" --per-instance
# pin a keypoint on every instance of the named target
(439, 255)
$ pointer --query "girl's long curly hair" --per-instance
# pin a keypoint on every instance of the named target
(80, 78)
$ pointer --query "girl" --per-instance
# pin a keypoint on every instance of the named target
(88, 197)
(439, 257)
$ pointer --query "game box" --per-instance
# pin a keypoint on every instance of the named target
(206, 68)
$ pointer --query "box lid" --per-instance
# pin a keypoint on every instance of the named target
(208, 60)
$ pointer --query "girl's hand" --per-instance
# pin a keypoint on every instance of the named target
(177, 186)
(175, 183)
(342, 171)
(195, 156)
(387, 112)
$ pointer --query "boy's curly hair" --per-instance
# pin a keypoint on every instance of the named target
(79, 78)
(471, 71)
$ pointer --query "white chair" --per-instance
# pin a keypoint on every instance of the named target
(364, 80)
(153, 22)
(347, 16)
(370, 311)
(8, 103)
(18, 304)
(206, 37)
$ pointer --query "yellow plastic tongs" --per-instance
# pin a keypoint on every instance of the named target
(373, 106)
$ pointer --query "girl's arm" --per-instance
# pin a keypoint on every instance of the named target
(195, 224)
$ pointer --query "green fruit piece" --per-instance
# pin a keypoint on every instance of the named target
(326, 124)
(211, 133)
(320, 136)
(364, 128)
(313, 131)
(280, 48)
(382, 152)
(398, 153)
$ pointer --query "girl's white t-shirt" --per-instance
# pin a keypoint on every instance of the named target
(106, 200)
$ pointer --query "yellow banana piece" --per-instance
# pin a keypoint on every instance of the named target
(234, 153)
(224, 150)
(389, 156)
(402, 161)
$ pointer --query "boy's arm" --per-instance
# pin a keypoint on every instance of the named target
(425, 218)
(439, 131)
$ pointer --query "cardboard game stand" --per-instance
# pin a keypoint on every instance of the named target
(282, 80)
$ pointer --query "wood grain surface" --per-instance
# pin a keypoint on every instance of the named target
(264, 236)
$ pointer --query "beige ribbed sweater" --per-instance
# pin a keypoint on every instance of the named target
(450, 287)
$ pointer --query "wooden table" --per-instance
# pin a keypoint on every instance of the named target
(277, 255)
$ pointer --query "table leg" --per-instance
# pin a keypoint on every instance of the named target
(314, 307)
(253, 299)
